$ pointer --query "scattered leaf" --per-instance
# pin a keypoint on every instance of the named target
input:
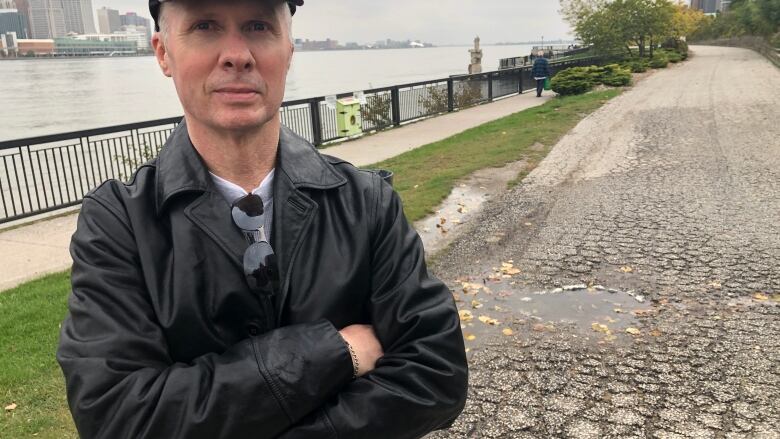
(626, 269)
(508, 269)
(11, 407)
(507, 332)
(619, 311)
(598, 327)
(760, 296)
(465, 315)
(476, 304)
(469, 337)
(416, 186)
(715, 285)
(539, 327)
(655, 333)
(442, 221)
(633, 331)
(489, 320)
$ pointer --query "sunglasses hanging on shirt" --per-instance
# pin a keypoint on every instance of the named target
(260, 265)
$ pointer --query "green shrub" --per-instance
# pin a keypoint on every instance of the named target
(637, 66)
(573, 81)
(578, 80)
(659, 60)
(613, 75)
(673, 56)
(775, 41)
(676, 45)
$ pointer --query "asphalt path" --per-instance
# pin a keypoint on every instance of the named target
(630, 287)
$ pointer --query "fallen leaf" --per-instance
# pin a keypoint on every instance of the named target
(508, 269)
(610, 320)
(626, 269)
(655, 333)
(598, 327)
(476, 304)
(10, 407)
(489, 320)
(618, 311)
(507, 332)
(760, 296)
(443, 221)
(416, 186)
(539, 327)
(465, 315)
(469, 337)
(633, 331)
(715, 285)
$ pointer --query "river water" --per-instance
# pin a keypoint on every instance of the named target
(49, 96)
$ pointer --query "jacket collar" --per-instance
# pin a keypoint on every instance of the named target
(180, 168)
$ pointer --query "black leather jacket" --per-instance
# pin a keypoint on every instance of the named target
(165, 339)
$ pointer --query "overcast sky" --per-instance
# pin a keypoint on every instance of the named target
(438, 22)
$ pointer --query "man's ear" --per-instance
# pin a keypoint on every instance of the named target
(161, 53)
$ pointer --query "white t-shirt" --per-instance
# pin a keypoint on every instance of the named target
(232, 192)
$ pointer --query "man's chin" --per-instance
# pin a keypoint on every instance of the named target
(243, 122)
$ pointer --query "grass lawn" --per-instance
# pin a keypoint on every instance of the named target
(32, 313)
(29, 375)
(424, 177)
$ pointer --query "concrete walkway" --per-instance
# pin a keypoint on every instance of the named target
(40, 248)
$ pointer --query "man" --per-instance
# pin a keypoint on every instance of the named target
(540, 72)
(243, 285)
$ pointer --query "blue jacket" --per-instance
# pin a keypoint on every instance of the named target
(541, 68)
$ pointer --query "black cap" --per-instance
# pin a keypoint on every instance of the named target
(154, 8)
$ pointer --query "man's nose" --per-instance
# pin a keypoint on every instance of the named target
(236, 55)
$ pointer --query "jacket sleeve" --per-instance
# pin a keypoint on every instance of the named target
(420, 384)
(122, 383)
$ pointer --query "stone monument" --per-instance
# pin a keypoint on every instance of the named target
(476, 58)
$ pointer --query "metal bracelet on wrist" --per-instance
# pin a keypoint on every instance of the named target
(355, 362)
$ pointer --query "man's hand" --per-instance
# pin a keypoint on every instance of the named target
(363, 340)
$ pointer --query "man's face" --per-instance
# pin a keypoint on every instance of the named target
(228, 60)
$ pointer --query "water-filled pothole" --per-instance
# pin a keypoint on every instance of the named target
(489, 309)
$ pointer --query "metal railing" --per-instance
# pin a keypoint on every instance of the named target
(46, 173)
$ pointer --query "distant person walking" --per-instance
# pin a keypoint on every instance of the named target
(540, 72)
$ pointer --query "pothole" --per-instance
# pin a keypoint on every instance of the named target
(598, 313)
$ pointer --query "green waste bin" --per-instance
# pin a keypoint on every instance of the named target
(348, 119)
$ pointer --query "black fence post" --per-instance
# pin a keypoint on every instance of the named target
(450, 95)
(490, 87)
(316, 122)
(395, 97)
(520, 82)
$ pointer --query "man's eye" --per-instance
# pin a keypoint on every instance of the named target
(203, 26)
(259, 27)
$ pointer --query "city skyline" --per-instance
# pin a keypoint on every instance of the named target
(457, 23)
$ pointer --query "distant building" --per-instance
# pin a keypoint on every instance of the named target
(9, 44)
(78, 16)
(320, 45)
(7, 4)
(95, 45)
(133, 19)
(710, 6)
(108, 20)
(23, 6)
(37, 47)
(11, 20)
(47, 19)
(139, 34)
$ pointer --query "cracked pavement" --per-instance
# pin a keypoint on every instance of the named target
(670, 192)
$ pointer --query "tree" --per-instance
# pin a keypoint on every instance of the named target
(608, 25)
